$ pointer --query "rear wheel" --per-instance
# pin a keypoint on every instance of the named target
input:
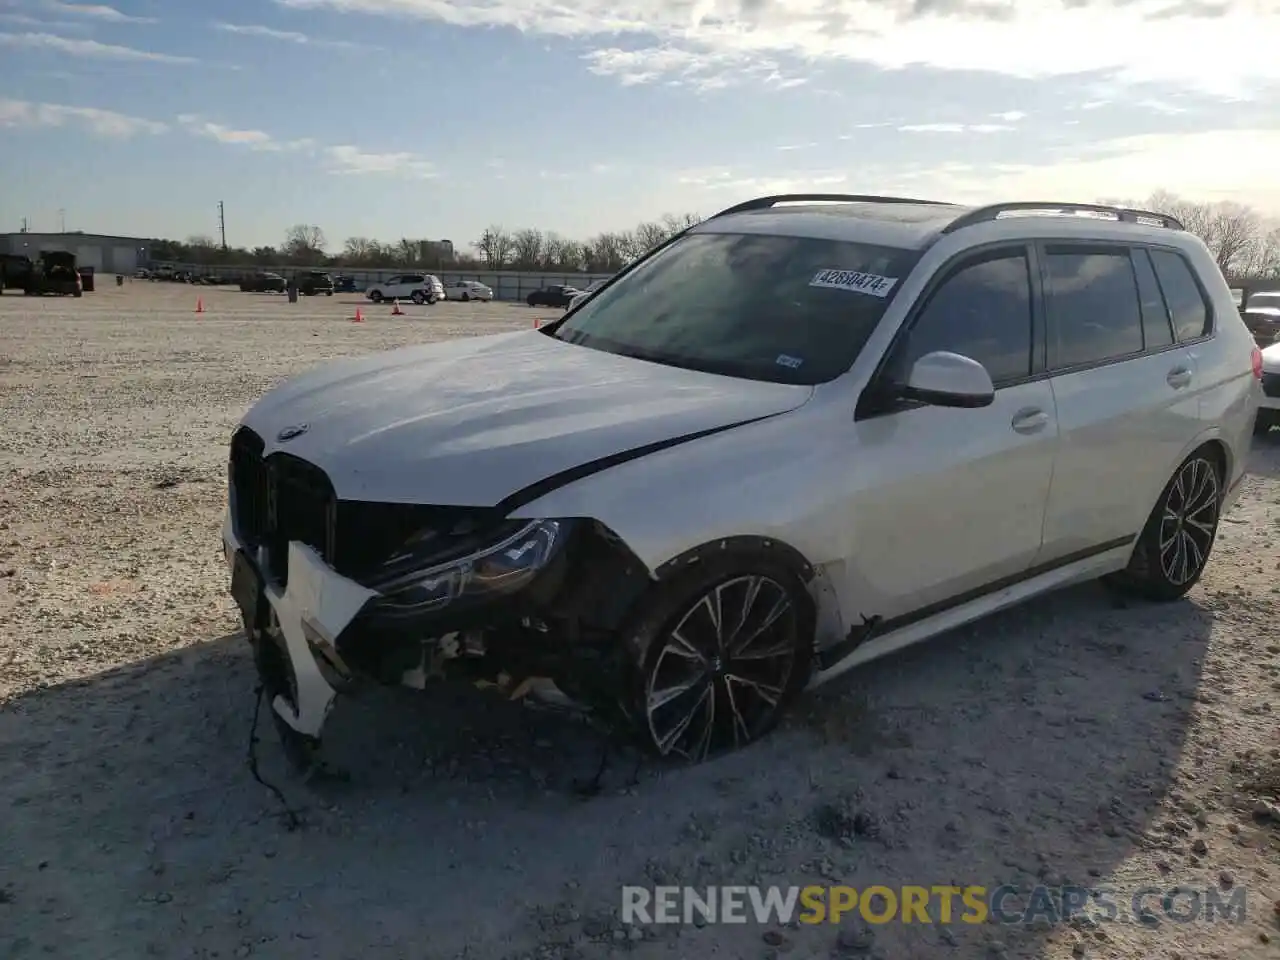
(719, 655)
(418, 297)
(465, 297)
(1174, 546)
(375, 296)
(1265, 420)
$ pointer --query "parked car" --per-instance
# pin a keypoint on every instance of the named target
(553, 296)
(591, 288)
(344, 284)
(465, 290)
(14, 271)
(1269, 405)
(1263, 323)
(54, 271)
(264, 282)
(418, 287)
(797, 438)
(312, 283)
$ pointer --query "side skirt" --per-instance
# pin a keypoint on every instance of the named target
(893, 635)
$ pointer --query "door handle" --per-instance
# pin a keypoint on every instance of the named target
(1030, 420)
(1178, 377)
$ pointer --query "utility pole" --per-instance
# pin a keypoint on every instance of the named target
(222, 224)
(62, 220)
(24, 226)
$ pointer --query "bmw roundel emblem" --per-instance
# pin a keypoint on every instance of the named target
(288, 433)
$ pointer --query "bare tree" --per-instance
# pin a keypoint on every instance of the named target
(494, 247)
(304, 243)
(1236, 230)
(1262, 260)
(526, 249)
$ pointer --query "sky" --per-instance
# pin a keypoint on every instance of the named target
(433, 119)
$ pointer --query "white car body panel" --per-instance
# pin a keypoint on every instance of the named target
(470, 421)
(1271, 364)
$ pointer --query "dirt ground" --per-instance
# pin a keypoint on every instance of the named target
(1070, 741)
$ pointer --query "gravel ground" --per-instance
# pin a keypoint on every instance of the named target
(1072, 740)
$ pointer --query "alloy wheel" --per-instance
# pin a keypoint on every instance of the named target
(719, 679)
(1189, 521)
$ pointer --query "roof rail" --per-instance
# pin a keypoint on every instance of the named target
(764, 203)
(1123, 214)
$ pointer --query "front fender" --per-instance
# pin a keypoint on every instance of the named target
(764, 479)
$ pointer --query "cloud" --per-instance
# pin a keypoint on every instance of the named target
(286, 36)
(103, 123)
(349, 160)
(724, 179)
(256, 140)
(87, 48)
(1032, 40)
(676, 66)
(95, 12)
(954, 127)
(26, 20)
(1228, 164)
(339, 159)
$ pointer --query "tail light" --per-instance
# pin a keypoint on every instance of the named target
(1257, 363)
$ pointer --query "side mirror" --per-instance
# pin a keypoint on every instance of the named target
(943, 379)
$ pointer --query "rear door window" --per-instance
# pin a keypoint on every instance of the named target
(1093, 309)
(1186, 302)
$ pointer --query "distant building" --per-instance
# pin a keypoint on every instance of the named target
(105, 254)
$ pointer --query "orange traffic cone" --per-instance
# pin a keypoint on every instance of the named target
(359, 317)
(200, 305)
(536, 323)
(395, 309)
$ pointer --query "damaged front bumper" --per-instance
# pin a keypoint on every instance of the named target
(544, 630)
(294, 630)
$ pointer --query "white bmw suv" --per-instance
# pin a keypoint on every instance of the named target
(804, 433)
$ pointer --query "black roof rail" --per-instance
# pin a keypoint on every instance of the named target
(1123, 214)
(764, 203)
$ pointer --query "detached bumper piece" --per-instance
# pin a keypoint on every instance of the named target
(293, 629)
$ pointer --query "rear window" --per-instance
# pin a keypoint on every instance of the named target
(1187, 304)
(782, 309)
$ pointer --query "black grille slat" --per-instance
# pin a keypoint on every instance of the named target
(1271, 384)
(278, 499)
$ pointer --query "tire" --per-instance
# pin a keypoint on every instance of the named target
(375, 296)
(418, 297)
(531, 300)
(1263, 423)
(465, 298)
(328, 293)
(675, 645)
(1177, 540)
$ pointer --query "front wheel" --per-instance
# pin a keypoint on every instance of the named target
(418, 297)
(719, 655)
(1174, 546)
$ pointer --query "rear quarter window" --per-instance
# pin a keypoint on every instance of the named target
(1187, 305)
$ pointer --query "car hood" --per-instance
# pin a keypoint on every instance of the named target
(471, 421)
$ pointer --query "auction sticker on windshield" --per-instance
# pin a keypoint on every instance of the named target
(854, 280)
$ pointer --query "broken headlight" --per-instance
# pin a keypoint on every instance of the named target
(508, 563)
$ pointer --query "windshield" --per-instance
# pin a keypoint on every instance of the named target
(782, 309)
